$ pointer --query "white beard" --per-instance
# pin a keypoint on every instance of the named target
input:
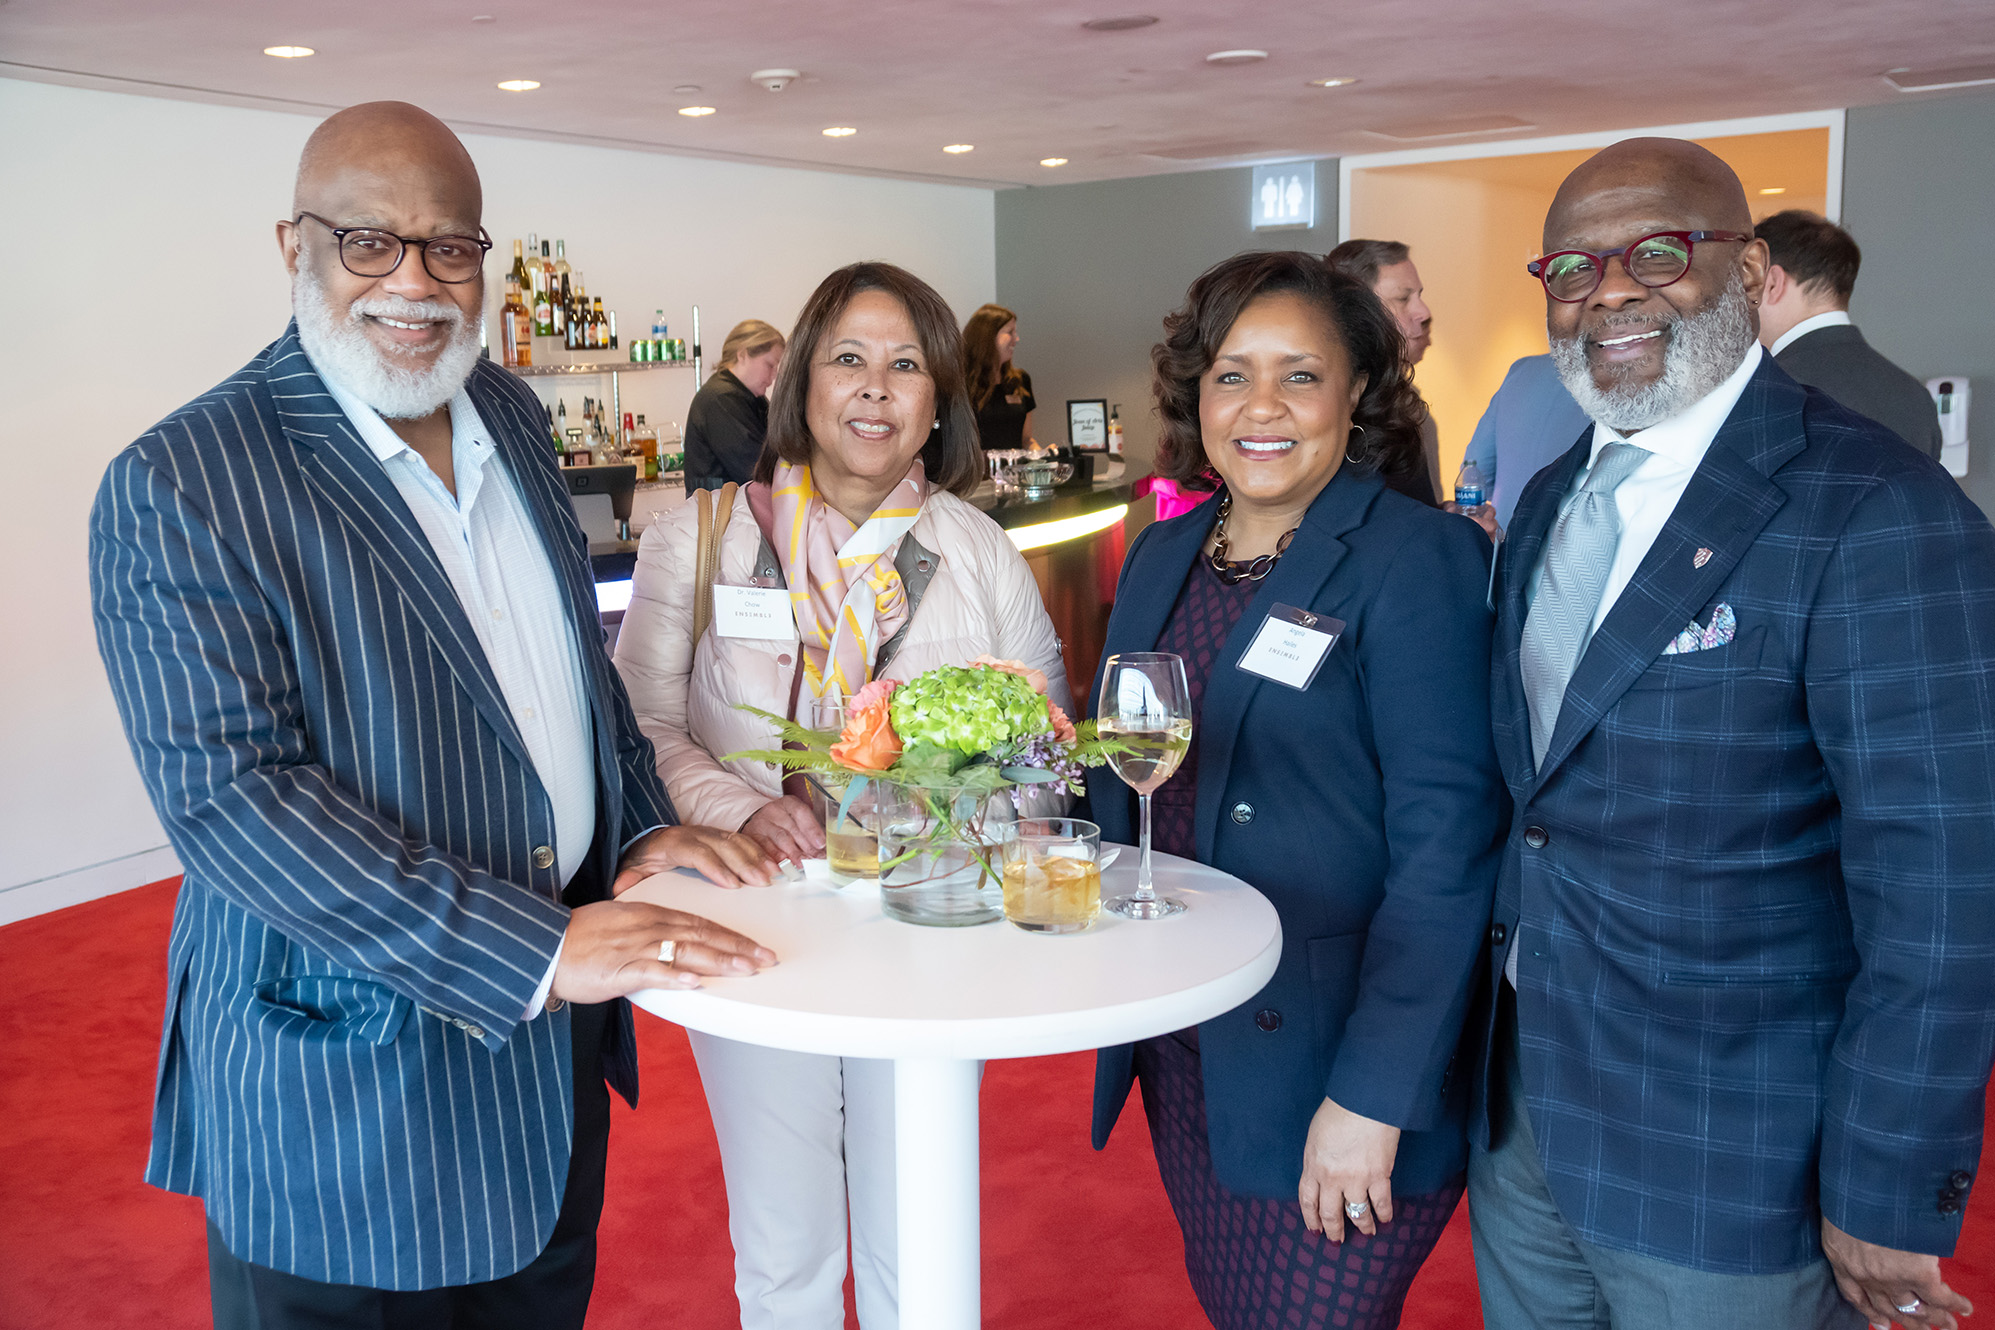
(341, 350)
(1704, 349)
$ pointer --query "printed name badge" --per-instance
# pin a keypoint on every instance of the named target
(1291, 645)
(753, 611)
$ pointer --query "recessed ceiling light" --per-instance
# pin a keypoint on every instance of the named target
(1122, 24)
(483, 18)
(686, 90)
(840, 132)
(519, 85)
(1052, 161)
(1243, 56)
(1331, 83)
(959, 147)
(288, 52)
(1774, 189)
(696, 111)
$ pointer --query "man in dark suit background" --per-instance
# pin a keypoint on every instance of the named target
(1804, 321)
(1741, 1008)
(350, 627)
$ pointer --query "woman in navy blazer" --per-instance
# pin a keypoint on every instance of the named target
(1367, 806)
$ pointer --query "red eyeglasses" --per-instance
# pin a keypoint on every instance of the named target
(1571, 275)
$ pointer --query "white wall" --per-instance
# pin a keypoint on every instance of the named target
(142, 269)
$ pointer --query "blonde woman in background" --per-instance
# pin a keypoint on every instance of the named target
(729, 416)
(871, 444)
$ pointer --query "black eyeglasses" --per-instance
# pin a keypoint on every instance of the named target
(1571, 275)
(367, 252)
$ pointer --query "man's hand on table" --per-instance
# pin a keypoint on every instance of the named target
(611, 950)
(724, 858)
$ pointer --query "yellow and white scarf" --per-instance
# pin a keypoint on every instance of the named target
(844, 587)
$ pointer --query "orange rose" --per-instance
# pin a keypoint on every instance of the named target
(869, 742)
(1063, 729)
(1037, 678)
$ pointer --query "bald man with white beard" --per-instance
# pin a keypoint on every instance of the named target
(351, 629)
(1740, 1009)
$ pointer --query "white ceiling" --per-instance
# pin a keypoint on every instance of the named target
(1021, 80)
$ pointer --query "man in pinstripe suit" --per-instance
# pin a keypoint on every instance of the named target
(351, 629)
(1742, 1000)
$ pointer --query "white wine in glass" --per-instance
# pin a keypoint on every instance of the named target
(1145, 704)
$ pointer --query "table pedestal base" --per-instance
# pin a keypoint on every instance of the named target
(938, 1193)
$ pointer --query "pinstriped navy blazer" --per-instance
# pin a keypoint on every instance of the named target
(344, 1077)
(1756, 882)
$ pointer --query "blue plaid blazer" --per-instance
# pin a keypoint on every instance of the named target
(344, 1077)
(1753, 886)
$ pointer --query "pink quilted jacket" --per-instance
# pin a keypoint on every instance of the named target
(983, 599)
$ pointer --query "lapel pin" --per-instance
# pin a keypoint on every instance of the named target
(1699, 559)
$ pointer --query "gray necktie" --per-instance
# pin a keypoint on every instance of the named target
(1578, 555)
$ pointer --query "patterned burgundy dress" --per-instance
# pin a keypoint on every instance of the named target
(1253, 1264)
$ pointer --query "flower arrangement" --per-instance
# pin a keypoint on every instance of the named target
(965, 729)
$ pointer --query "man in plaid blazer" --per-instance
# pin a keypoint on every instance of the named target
(349, 623)
(1742, 971)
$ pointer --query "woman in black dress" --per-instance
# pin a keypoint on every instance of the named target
(1312, 1139)
(729, 416)
(999, 390)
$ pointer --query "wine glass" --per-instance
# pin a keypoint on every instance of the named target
(1145, 704)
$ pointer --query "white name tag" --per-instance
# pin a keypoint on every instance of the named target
(1291, 645)
(753, 611)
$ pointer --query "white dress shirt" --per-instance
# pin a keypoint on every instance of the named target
(1645, 500)
(497, 564)
(1835, 318)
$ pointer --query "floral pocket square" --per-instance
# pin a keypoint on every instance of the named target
(1722, 628)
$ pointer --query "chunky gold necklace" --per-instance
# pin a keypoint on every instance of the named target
(1233, 574)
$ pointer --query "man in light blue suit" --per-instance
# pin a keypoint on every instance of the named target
(1530, 423)
(350, 626)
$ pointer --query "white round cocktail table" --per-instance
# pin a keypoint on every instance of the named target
(855, 983)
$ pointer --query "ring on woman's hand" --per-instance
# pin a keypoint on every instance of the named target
(1357, 1209)
(668, 951)
(1911, 1308)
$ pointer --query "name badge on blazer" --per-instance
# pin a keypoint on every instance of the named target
(753, 611)
(1290, 646)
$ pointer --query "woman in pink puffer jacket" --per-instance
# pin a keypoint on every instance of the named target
(871, 442)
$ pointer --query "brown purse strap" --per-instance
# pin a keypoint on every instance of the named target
(714, 511)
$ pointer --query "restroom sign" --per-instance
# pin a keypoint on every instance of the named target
(1283, 196)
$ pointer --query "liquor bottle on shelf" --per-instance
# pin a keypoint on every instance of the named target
(561, 418)
(643, 444)
(1115, 430)
(599, 325)
(543, 296)
(516, 329)
(578, 453)
(517, 273)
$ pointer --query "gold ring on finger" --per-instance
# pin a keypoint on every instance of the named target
(668, 951)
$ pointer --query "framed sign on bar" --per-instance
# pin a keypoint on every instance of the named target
(1087, 424)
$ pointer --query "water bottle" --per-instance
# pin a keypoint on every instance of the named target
(1471, 491)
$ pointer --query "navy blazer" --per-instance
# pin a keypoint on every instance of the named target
(1368, 808)
(370, 896)
(1756, 882)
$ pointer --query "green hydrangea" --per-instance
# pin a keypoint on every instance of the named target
(971, 710)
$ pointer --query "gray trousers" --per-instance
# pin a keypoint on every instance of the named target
(1535, 1273)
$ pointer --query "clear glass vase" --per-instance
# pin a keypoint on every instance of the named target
(940, 860)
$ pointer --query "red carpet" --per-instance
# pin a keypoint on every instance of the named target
(1072, 1238)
